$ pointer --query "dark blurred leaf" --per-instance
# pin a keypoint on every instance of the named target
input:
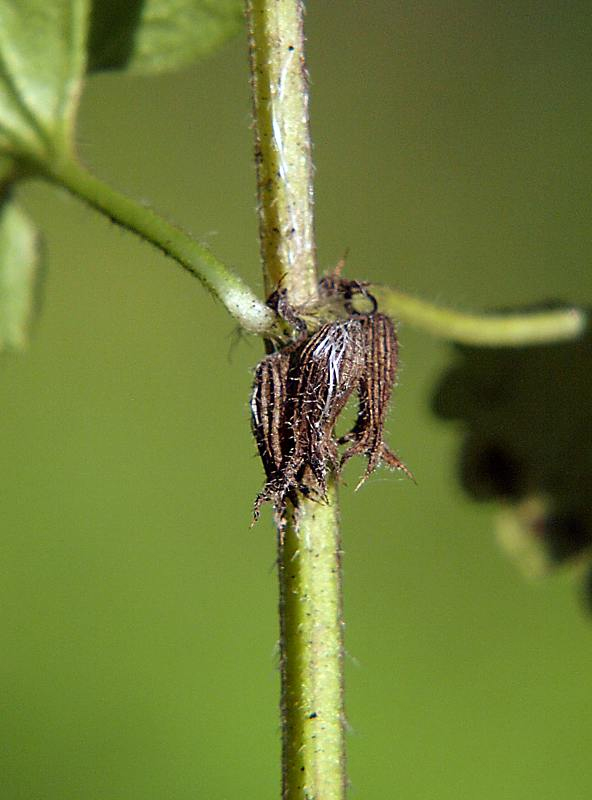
(527, 442)
(19, 262)
(147, 36)
(7, 170)
(42, 59)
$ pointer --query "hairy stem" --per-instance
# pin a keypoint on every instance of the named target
(493, 330)
(239, 299)
(311, 646)
(312, 654)
(496, 330)
(283, 148)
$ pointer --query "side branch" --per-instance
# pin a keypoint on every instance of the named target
(253, 315)
(488, 330)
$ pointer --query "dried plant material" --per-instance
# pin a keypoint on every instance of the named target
(333, 285)
(297, 396)
(299, 392)
(325, 373)
(374, 391)
(268, 403)
(278, 301)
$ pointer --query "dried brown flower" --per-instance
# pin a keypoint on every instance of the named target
(297, 396)
(325, 372)
(374, 391)
(299, 392)
(268, 404)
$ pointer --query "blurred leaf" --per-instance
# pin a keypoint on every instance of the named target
(147, 36)
(527, 443)
(7, 170)
(42, 55)
(19, 261)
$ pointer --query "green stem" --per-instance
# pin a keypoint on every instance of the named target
(283, 150)
(289, 259)
(238, 298)
(491, 330)
(312, 654)
(311, 636)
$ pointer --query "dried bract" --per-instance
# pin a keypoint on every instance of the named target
(268, 405)
(333, 285)
(299, 392)
(374, 392)
(325, 372)
(297, 396)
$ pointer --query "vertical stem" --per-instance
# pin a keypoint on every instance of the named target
(311, 636)
(283, 148)
(313, 752)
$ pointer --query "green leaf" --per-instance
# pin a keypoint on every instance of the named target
(19, 262)
(42, 61)
(8, 170)
(148, 36)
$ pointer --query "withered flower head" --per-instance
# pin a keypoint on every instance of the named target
(268, 400)
(299, 392)
(297, 396)
(374, 392)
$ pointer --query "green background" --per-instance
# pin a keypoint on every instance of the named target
(138, 624)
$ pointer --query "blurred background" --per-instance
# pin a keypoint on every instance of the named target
(139, 624)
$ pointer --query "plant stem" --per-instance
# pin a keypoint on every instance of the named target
(313, 757)
(311, 636)
(238, 298)
(489, 330)
(283, 151)
(289, 258)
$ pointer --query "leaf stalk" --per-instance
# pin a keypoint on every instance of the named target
(238, 298)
